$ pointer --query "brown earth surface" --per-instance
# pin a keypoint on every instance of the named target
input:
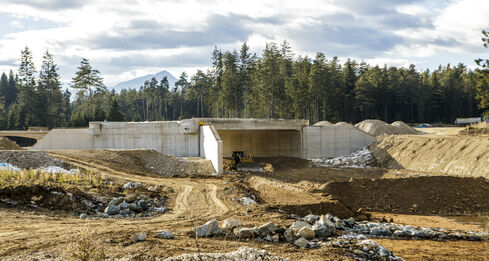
(293, 187)
(7, 144)
(465, 156)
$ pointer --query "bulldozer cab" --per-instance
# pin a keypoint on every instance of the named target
(241, 157)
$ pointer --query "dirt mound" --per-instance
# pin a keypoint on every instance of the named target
(7, 144)
(29, 159)
(323, 123)
(58, 199)
(481, 128)
(439, 195)
(143, 162)
(454, 155)
(380, 128)
(403, 128)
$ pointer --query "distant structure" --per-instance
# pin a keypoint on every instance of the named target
(215, 138)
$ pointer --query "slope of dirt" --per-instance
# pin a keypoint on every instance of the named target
(453, 155)
(142, 162)
(441, 195)
(7, 144)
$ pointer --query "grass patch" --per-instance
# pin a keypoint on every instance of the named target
(84, 246)
(89, 178)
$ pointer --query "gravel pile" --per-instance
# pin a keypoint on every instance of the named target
(380, 128)
(29, 159)
(243, 253)
(359, 159)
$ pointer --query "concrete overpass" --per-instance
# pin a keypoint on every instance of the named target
(37, 135)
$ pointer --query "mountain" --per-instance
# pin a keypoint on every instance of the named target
(138, 82)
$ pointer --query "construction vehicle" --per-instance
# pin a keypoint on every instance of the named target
(244, 162)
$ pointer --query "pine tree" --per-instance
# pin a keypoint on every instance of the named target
(115, 113)
(483, 77)
(87, 81)
(27, 98)
(49, 91)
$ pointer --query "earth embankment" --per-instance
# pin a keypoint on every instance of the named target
(464, 156)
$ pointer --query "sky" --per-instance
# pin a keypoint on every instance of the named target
(124, 39)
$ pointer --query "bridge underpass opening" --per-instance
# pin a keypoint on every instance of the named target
(22, 141)
(262, 143)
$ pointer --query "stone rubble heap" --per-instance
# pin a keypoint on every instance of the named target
(359, 247)
(314, 231)
(134, 205)
(359, 159)
(243, 253)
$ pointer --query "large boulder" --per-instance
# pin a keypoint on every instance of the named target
(208, 229)
(301, 242)
(298, 225)
(311, 219)
(267, 229)
(131, 198)
(116, 201)
(139, 237)
(230, 224)
(306, 232)
(164, 234)
(112, 210)
(244, 232)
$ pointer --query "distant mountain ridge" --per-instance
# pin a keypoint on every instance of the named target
(139, 81)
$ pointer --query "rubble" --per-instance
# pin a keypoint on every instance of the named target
(243, 253)
(362, 158)
(134, 205)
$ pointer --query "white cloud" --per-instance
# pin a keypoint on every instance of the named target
(380, 31)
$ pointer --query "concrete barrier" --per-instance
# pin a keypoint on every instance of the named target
(211, 147)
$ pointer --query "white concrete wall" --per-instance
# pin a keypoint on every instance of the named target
(66, 139)
(211, 146)
(180, 138)
(262, 143)
(333, 140)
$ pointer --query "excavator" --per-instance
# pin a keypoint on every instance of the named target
(244, 162)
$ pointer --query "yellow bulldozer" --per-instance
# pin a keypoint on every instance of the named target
(244, 162)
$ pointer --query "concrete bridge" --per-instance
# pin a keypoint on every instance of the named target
(33, 134)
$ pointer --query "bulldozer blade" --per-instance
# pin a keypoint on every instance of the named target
(249, 167)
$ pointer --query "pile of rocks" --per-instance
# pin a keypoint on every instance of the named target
(359, 247)
(134, 205)
(391, 230)
(359, 159)
(243, 253)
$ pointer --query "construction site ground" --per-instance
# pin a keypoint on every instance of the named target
(294, 187)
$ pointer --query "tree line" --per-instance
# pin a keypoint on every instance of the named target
(241, 84)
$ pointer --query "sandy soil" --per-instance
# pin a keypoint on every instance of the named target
(294, 188)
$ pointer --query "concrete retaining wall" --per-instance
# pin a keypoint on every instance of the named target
(262, 143)
(211, 146)
(333, 140)
(180, 138)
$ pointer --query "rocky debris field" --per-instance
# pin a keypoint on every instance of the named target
(359, 159)
(442, 195)
(243, 253)
(30, 159)
(139, 201)
(354, 238)
(7, 144)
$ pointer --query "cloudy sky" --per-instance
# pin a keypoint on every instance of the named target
(124, 39)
